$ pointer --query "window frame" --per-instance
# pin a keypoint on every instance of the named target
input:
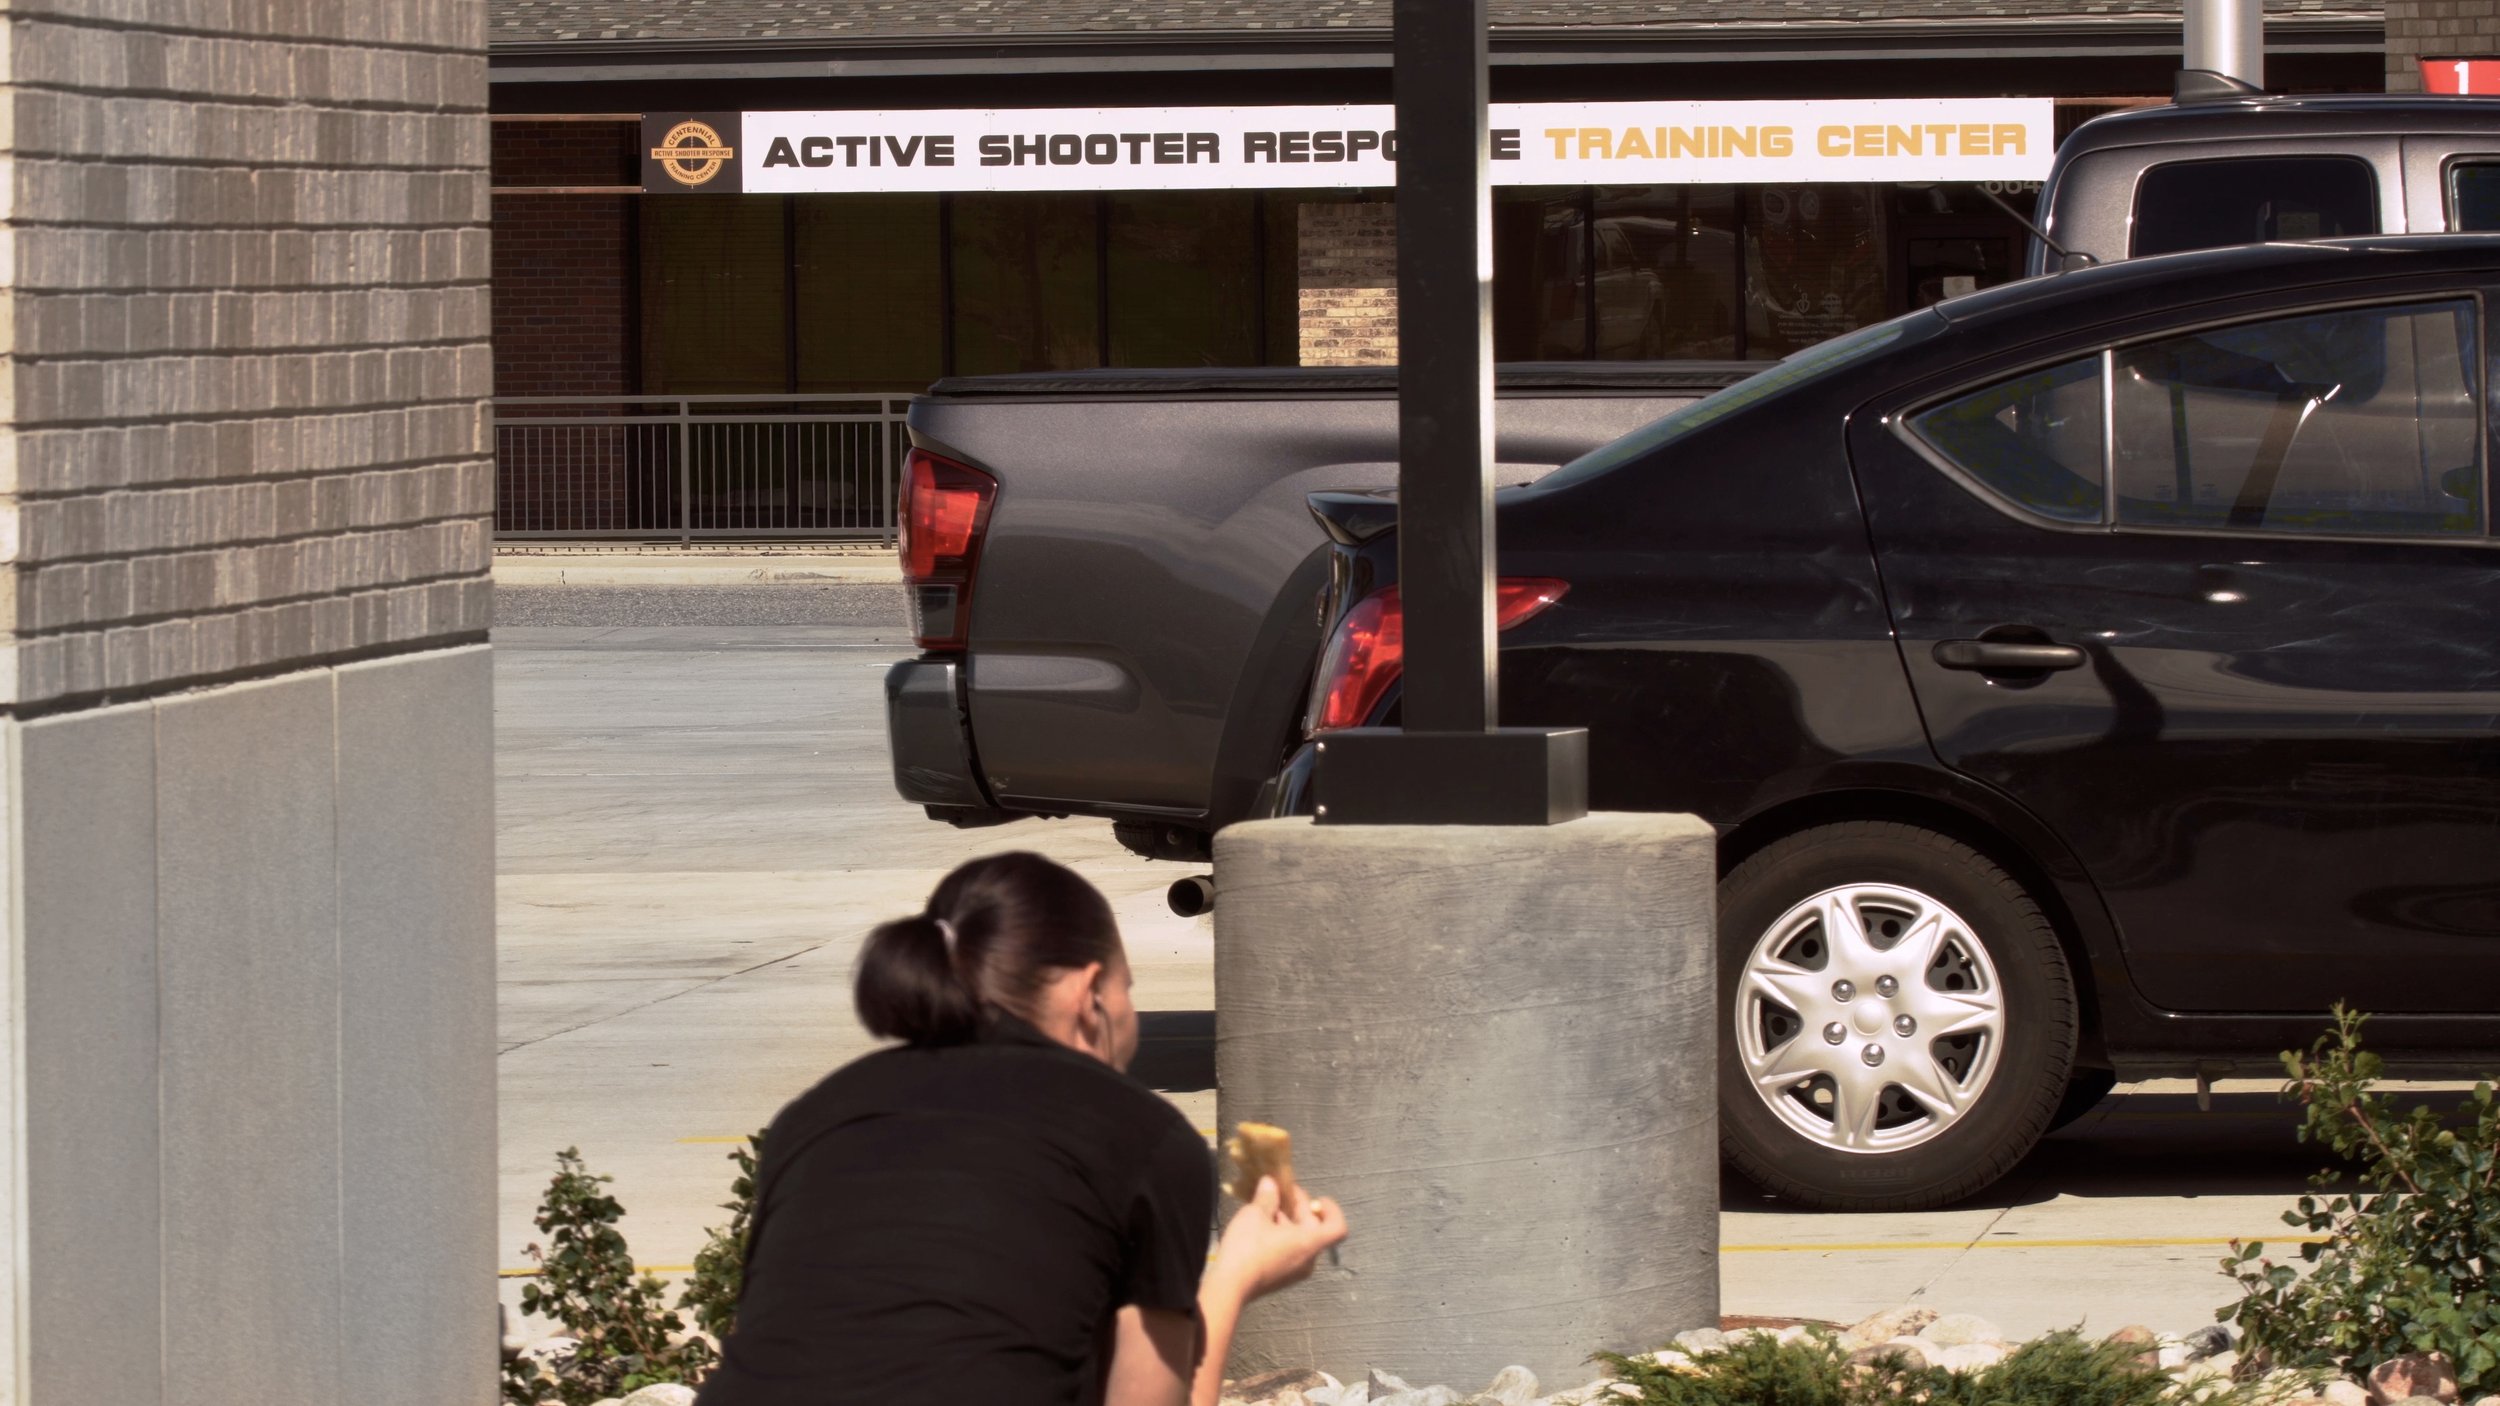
(1900, 423)
(2144, 174)
(2454, 162)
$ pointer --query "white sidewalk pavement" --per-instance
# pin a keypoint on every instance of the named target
(813, 563)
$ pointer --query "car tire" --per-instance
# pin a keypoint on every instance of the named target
(1845, 1082)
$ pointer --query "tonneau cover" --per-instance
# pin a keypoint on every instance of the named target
(1590, 377)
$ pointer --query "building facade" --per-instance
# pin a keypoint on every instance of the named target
(611, 281)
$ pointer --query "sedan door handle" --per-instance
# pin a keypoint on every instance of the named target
(2006, 656)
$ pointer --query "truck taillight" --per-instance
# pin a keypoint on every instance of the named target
(1368, 651)
(946, 509)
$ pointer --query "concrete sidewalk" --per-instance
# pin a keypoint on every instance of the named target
(814, 564)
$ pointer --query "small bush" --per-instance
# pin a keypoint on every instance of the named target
(625, 1338)
(720, 1268)
(2406, 1261)
(2062, 1369)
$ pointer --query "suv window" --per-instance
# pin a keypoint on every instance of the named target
(2473, 197)
(2186, 205)
(2035, 440)
(2357, 420)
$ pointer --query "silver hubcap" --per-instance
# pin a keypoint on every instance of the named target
(1869, 1018)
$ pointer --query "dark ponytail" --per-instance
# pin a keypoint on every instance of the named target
(1015, 919)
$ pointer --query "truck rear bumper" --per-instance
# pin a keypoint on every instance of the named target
(929, 736)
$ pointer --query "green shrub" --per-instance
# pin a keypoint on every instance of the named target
(720, 1267)
(2406, 1261)
(2062, 1369)
(625, 1336)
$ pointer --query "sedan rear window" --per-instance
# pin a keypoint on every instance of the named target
(2185, 205)
(2035, 440)
(2357, 420)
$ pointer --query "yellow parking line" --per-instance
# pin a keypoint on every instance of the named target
(2146, 1242)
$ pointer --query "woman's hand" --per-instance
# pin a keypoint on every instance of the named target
(1270, 1245)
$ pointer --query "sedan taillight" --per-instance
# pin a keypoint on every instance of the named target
(1367, 654)
(946, 511)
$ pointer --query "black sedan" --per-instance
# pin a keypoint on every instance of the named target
(2096, 677)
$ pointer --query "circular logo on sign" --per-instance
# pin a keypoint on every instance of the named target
(691, 153)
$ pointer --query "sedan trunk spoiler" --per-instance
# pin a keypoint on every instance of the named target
(1351, 519)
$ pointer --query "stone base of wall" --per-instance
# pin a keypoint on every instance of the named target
(255, 936)
(1348, 262)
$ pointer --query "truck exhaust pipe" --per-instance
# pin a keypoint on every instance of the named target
(2224, 54)
(1192, 897)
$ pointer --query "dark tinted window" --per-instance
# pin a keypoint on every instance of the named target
(2474, 196)
(2034, 440)
(2358, 420)
(2253, 200)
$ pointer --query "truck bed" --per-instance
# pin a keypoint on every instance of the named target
(1145, 614)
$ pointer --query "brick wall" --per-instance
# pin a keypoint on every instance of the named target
(250, 338)
(2449, 29)
(1347, 259)
(563, 318)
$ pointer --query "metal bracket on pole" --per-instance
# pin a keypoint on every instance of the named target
(1451, 763)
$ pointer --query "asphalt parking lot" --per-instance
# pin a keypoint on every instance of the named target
(697, 828)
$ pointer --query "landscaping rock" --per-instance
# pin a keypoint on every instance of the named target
(2171, 1357)
(1512, 1386)
(1347, 1394)
(1382, 1384)
(1971, 1357)
(1673, 1360)
(1793, 1333)
(2207, 1341)
(1956, 1329)
(1698, 1340)
(665, 1394)
(1910, 1350)
(1899, 1322)
(1423, 1396)
(2147, 1347)
(1265, 1388)
(2487, 1401)
(2344, 1393)
(2414, 1374)
(2218, 1367)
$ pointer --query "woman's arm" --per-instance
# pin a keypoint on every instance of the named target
(1264, 1249)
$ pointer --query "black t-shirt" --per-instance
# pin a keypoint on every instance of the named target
(961, 1223)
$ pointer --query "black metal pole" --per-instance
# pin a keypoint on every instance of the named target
(1445, 365)
(1450, 763)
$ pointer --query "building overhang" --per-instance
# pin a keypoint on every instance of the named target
(1513, 46)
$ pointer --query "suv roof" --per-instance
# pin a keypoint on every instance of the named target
(2342, 114)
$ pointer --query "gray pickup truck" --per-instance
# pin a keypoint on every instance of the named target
(1117, 577)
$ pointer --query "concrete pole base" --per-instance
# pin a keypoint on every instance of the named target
(1497, 1048)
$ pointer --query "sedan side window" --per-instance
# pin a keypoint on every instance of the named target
(2034, 441)
(2361, 420)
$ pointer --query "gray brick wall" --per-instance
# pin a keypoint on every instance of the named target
(246, 338)
(2439, 29)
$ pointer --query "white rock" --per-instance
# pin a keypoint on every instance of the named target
(2172, 1357)
(1955, 1329)
(1672, 1360)
(548, 1352)
(1420, 1396)
(1891, 1323)
(1698, 1340)
(2344, 1392)
(1382, 1384)
(665, 1394)
(1793, 1333)
(2215, 1369)
(1917, 1353)
(1970, 1357)
(1512, 1386)
(1582, 1395)
(1742, 1336)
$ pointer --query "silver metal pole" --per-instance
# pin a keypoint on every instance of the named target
(2228, 37)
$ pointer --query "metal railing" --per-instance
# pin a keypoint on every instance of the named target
(689, 466)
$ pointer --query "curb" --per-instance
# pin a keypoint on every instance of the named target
(591, 570)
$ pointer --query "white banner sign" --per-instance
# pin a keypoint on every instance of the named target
(1246, 148)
